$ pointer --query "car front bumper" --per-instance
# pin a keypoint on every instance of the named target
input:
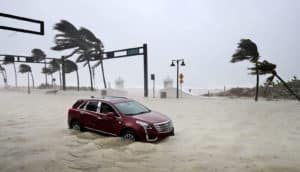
(153, 135)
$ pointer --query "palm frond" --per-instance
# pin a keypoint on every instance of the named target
(38, 54)
(54, 65)
(24, 68)
(263, 68)
(47, 70)
(87, 34)
(2, 68)
(68, 29)
(269, 80)
(247, 50)
(70, 66)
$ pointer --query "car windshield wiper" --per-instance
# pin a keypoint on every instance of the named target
(132, 114)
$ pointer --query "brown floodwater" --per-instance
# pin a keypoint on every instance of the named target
(211, 134)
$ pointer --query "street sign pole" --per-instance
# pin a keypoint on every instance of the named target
(145, 52)
(153, 79)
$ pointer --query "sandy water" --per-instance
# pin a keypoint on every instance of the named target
(211, 134)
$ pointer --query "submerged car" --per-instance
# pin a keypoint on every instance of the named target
(119, 116)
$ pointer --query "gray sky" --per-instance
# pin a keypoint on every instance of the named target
(203, 32)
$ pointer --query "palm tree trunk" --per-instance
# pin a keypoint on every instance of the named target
(28, 86)
(52, 81)
(93, 73)
(257, 84)
(91, 77)
(284, 83)
(2, 73)
(46, 78)
(16, 79)
(59, 78)
(103, 76)
(5, 78)
(77, 80)
(32, 79)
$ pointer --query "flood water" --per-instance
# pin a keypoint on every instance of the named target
(210, 135)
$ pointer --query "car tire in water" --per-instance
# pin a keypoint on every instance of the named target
(129, 135)
(76, 126)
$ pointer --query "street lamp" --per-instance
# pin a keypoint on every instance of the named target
(172, 65)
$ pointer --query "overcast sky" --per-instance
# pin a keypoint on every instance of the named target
(203, 32)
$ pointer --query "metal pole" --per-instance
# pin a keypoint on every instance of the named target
(46, 78)
(154, 88)
(177, 91)
(145, 70)
(28, 85)
(63, 72)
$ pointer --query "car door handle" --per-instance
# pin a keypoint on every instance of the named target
(99, 117)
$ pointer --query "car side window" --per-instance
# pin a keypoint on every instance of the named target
(105, 108)
(82, 105)
(92, 106)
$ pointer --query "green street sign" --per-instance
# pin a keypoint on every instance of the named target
(134, 51)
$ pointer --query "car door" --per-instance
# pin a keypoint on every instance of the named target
(111, 125)
(90, 114)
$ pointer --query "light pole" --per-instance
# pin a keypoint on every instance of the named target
(172, 65)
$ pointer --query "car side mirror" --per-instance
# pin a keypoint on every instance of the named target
(111, 114)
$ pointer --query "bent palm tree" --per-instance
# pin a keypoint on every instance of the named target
(100, 62)
(23, 68)
(81, 41)
(54, 65)
(96, 51)
(3, 73)
(247, 50)
(87, 58)
(70, 67)
(266, 67)
(48, 71)
(38, 56)
(11, 60)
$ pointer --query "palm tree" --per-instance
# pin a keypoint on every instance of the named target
(96, 52)
(54, 65)
(3, 73)
(49, 71)
(266, 67)
(11, 60)
(247, 50)
(100, 62)
(23, 68)
(81, 41)
(70, 67)
(38, 56)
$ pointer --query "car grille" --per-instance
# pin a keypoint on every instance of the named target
(164, 127)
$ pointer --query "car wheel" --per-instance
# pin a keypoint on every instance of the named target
(129, 135)
(76, 126)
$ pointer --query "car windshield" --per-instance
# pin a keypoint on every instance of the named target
(131, 108)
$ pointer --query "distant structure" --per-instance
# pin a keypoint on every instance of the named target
(168, 83)
(119, 83)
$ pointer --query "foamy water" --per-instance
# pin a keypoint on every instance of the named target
(211, 134)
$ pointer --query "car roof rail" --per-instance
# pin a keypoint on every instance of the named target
(112, 97)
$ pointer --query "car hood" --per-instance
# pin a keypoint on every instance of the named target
(152, 117)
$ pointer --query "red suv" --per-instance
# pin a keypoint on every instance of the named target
(119, 116)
